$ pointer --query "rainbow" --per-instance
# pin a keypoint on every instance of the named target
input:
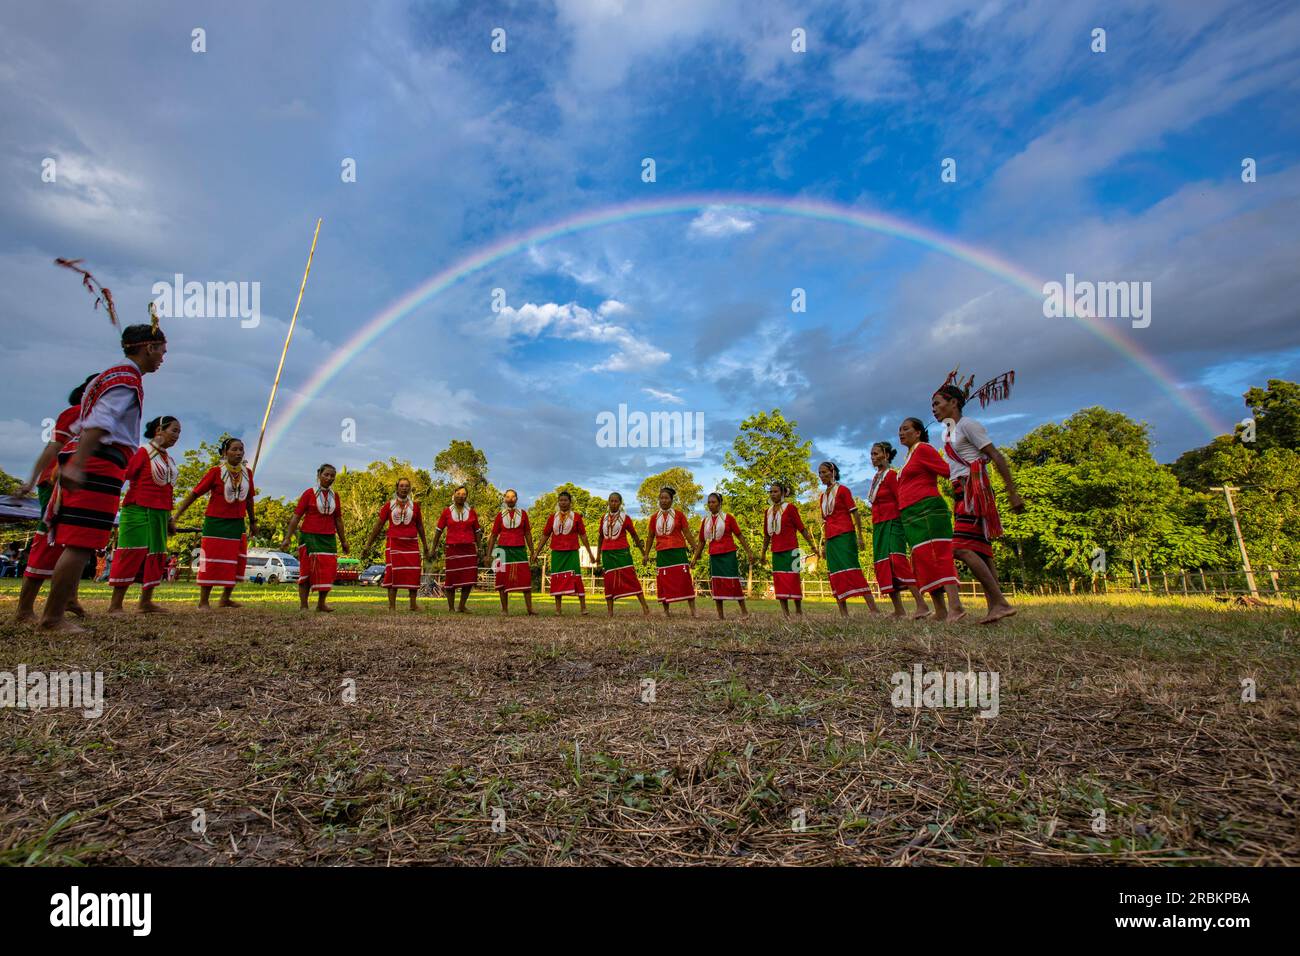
(816, 210)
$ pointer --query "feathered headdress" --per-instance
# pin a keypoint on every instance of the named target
(994, 390)
(92, 286)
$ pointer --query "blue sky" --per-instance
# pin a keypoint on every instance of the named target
(1117, 165)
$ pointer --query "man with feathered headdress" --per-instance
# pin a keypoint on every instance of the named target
(969, 451)
(92, 464)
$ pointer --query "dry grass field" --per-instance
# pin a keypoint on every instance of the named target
(480, 740)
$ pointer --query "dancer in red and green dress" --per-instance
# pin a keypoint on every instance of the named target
(404, 545)
(669, 535)
(512, 560)
(927, 522)
(782, 525)
(722, 532)
(91, 466)
(460, 524)
(223, 551)
(842, 523)
(969, 450)
(619, 572)
(320, 539)
(146, 517)
(888, 540)
(564, 530)
(42, 556)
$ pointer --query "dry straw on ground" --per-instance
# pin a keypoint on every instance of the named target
(1128, 708)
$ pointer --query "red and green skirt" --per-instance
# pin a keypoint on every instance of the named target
(786, 582)
(402, 565)
(43, 554)
(318, 560)
(223, 552)
(724, 577)
(510, 568)
(928, 526)
(968, 530)
(462, 565)
(673, 576)
(620, 573)
(83, 517)
(141, 551)
(566, 573)
(847, 579)
(889, 551)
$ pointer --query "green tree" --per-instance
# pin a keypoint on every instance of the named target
(767, 448)
(1276, 410)
(460, 463)
(689, 492)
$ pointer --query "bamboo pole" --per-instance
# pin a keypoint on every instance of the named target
(285, 351)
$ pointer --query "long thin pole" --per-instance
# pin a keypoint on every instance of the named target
(1245, 558)
(287, 339)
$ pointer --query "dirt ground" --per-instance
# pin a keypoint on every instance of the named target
(267, 736)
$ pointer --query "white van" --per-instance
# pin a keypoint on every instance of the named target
(271, 567)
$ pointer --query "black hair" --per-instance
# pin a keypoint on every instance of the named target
(617, 494)
(672, 492)
(227, 441)
(886, 449)
(785, 489)
(157, 425)
(464, 488)
(714, 494)
(835, 469)
(74, 396)
(136, 336)
(564, 494)
(324, 466)
(919, 426)
(403, 479)
(508, 491)
(953, 392)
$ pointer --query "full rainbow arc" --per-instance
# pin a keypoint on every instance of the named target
(801, 208)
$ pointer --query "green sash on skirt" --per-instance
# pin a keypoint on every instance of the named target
(670, 557)
(842, 553)
(318, 543)
(888, 537)
(615, 558)
(926, 520)
(562, 561)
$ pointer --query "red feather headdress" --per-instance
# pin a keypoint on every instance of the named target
(994, 390)
(92, 285)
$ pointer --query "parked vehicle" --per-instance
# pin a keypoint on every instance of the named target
(271, 567)
(349, 569)
(373, 575)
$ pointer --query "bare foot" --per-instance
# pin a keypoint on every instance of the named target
(75, 608)
(532, 614)
(998, 613)
(26, 617)
(922, 615)
(955, 616)
(228, 603)
(115, 610)
(899, 615)
(324, 610)
(151, 608)
(63, 626)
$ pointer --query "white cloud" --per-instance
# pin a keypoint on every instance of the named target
(720, 222)
(664, 396)
(574, 323)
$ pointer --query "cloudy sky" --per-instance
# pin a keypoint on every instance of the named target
(1123, 165)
